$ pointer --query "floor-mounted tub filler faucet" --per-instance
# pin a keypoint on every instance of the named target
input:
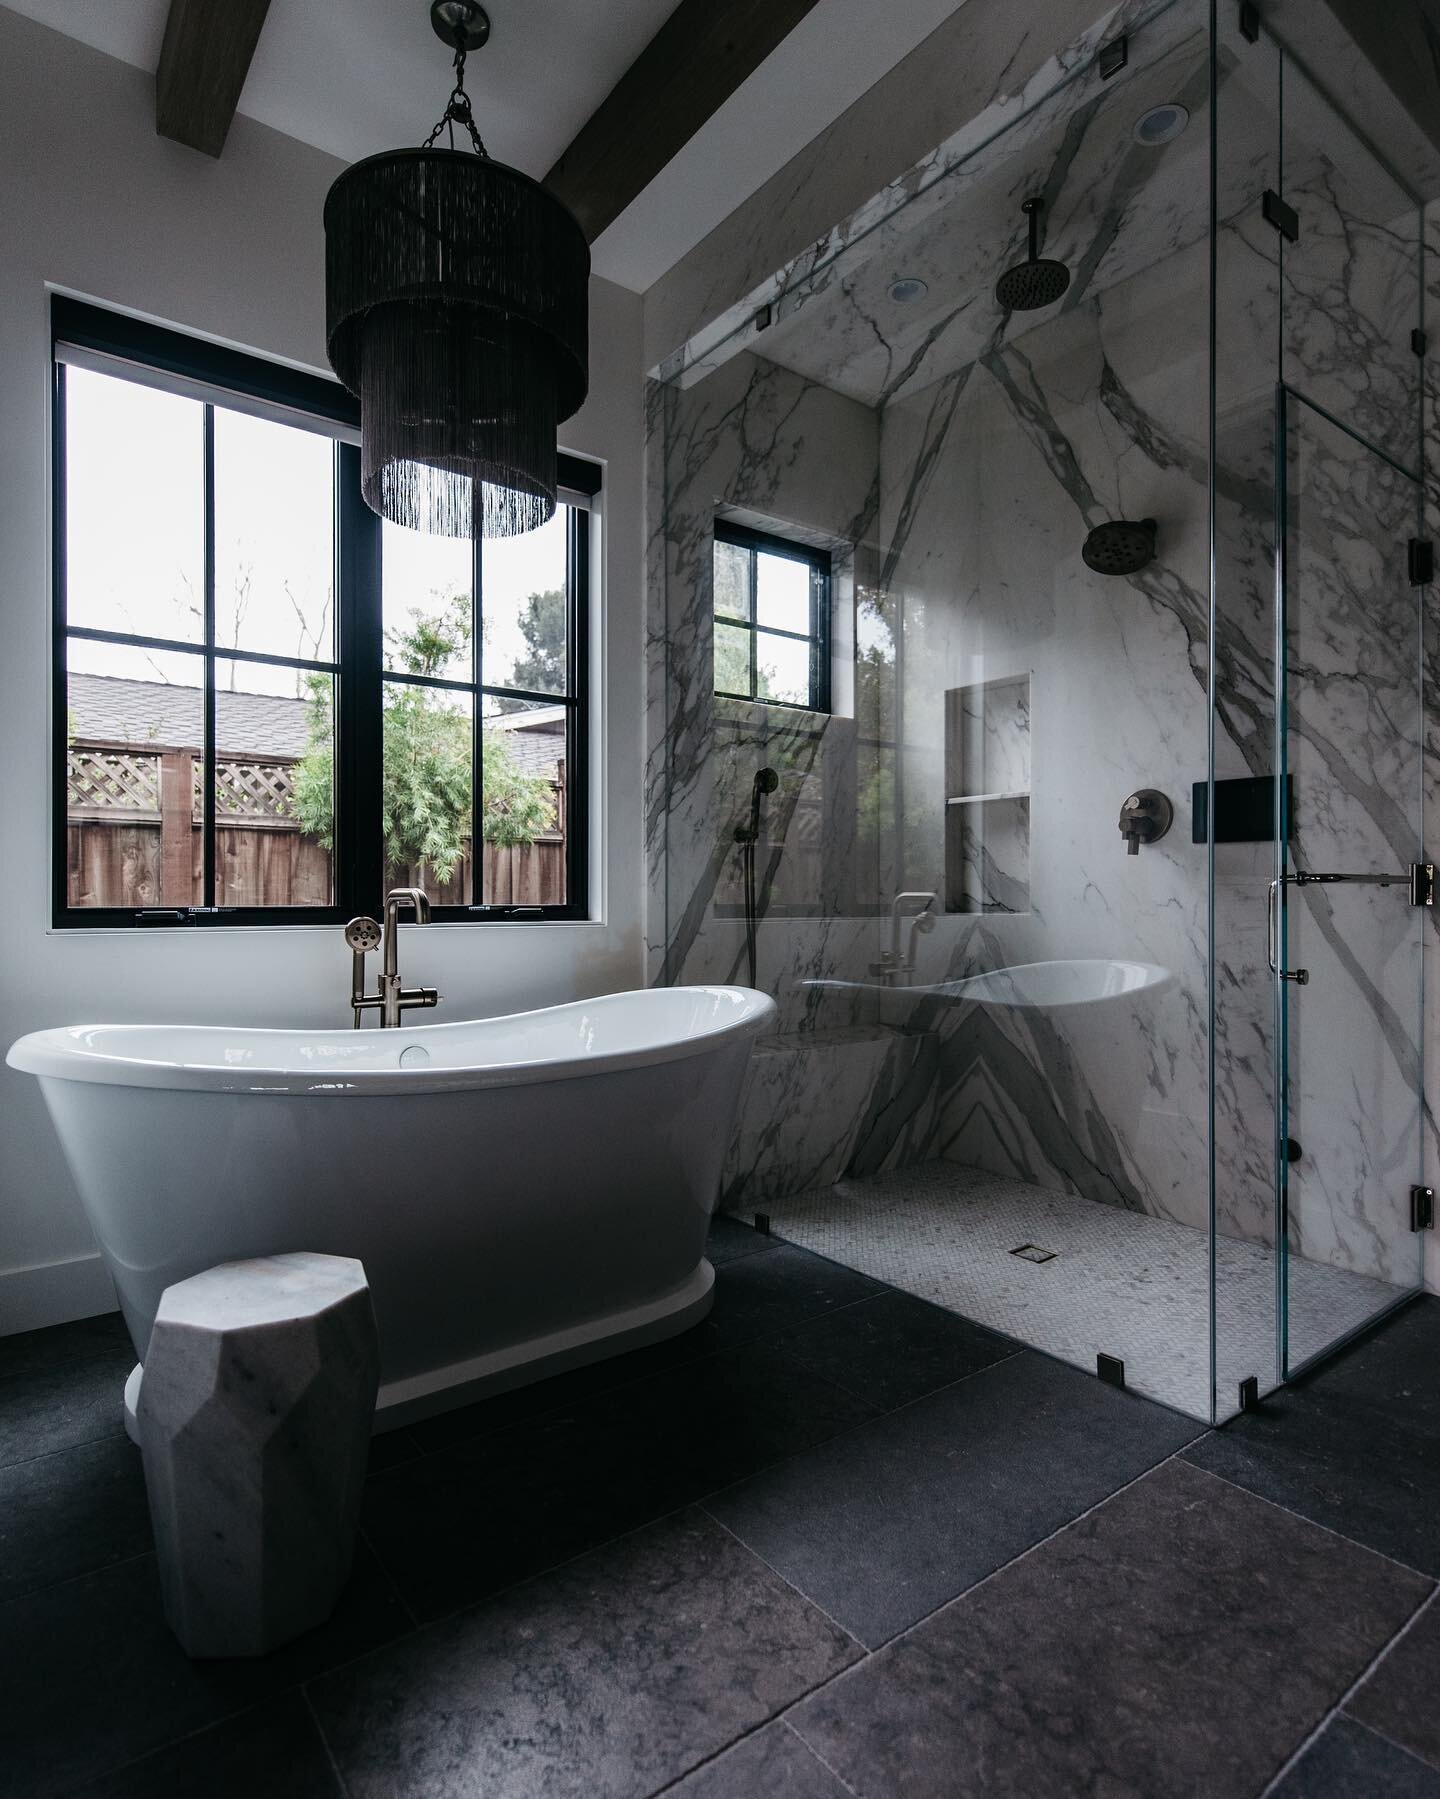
(893, 968)
(363, 935)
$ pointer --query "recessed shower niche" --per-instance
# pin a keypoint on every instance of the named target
(987, 796)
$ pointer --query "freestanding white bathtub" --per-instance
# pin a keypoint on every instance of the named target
(526, 1193)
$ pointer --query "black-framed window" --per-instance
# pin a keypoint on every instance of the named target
(270, 706)
(772, 619)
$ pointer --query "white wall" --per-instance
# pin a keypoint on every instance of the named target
(93, 202)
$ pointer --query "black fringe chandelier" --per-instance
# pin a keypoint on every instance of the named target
(456, 293)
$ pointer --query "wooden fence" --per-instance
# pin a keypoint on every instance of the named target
(135, 837)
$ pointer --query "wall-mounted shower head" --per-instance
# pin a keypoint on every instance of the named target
(1120, 546)
(1036, 282)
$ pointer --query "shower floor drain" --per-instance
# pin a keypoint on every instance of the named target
(1032, 1252)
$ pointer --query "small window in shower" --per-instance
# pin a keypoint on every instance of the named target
(772, 619)
(987, 796)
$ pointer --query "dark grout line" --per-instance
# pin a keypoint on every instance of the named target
(810, 1749)
(1314, 1523)
(1338, 1709)
(66, 1580)
(314, 1716)
(46, 1455)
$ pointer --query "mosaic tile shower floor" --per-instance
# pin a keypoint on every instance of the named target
(1117, 1283)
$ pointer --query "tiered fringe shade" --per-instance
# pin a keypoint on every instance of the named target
(457, 299)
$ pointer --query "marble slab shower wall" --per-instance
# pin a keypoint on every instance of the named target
(991, 479)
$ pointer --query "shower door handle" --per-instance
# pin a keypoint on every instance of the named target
(1300, 976)
(1418, 880)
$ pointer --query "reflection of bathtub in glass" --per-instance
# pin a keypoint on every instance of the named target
(1046, 986)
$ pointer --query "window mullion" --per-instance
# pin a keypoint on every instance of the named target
(207, 787)
(477, 727)
(754, 625)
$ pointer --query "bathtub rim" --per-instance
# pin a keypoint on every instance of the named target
(57, 1054)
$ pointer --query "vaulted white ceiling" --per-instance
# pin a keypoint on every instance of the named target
(357, 76)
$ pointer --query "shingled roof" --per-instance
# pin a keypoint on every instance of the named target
(109, 709)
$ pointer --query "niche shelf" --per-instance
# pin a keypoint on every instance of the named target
(987, 796)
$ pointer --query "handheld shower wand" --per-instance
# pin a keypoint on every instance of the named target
(747, 836)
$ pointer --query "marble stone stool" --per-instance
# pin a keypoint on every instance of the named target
(254, 1419)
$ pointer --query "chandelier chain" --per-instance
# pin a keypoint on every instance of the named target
(458, 111)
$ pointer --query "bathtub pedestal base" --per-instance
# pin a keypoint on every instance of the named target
(443, 1389)
(518, 1364)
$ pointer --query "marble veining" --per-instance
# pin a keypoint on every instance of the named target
(956, 457)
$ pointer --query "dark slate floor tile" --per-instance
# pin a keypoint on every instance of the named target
(272, 1752)
(63, 1404)
(1346, 1761)
(760, 1295)
(71, 1513)
(91, 1678)
(895, 1348)
(893, 1519)
(772, 1764)
(28, 1352)
(1354, 1446)
(729, 1239)
(607, 1678)
(1181, 1639)
(467, 1521)
(1400, 1698)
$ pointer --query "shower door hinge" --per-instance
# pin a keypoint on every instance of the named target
(1422, 561)
(1250, 21)
(1110, 1369)
(1112, 57)
(1250, 1394)
(1422, 1208)
(1422, 883)
(1284, 218)
(1419, 343)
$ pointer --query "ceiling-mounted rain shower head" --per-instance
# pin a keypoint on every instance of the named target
(1120, 547)
(1036, 282)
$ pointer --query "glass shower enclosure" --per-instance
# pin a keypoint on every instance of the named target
(1126, 652)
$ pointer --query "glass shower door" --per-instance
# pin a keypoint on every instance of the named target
(1346, 935)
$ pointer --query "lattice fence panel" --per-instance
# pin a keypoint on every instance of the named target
(106, 780)
(251, 789)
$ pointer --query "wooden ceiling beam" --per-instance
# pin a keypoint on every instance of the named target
(687, 71)
(203, 64)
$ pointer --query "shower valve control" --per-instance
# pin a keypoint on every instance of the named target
(1145, 817)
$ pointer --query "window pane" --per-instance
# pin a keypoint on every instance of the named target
(134, 508)
(135, 722)
(782, 593)
(427, 586)
(274, 538)
(782, 666)
(524, 806)
(732, 659)
(732, 580)
(522, 607)
(425, 803)
(274, 786)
